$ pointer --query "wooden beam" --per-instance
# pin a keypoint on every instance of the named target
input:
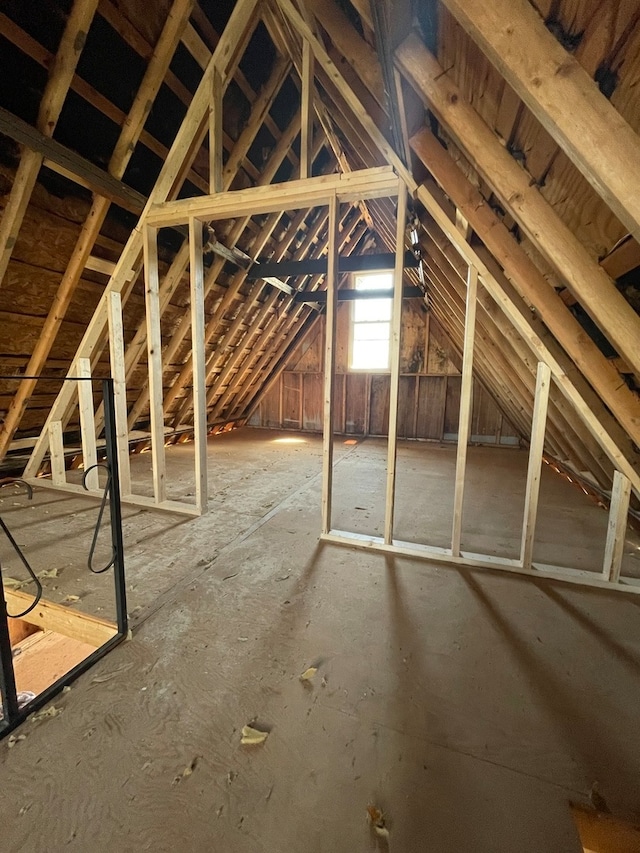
(154, 361)
(616, 528)
(100, 265)
(394, 354)
(356, 51)
(66, 162)
(201, 52)
(585, 278)
(87, 424)
(308, 93)
(215, 134)
(466, 407)
(233, 290)
(198, 354)
(63, 620)
(56, 443)
(116, 359)
(624, 257)
(232, 293)
(379, 182)
(60, 77)
(530, 283)
(564, 574)
(536, 448)
(593, 134)
(330, 367)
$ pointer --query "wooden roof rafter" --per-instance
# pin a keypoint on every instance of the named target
(61, 74)
(465, 250)
(594, 135)
(174, 170)
(129, 135)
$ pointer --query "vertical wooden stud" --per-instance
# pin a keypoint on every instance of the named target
(198, 355)
(116, 354)
(416, 404)
(343, 405)
(154, 359)
(617, 527)
(56, 453)
(87, 422)
(329, 365)
(534, 471)
(215, 133)
(306, 126)
(281, 401)
(367, 404)
(301, 400)
(466, 407)
(394, 353)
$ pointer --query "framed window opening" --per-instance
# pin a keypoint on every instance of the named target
(370, 327)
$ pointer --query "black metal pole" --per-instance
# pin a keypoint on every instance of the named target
(114, 505)
(7, 677)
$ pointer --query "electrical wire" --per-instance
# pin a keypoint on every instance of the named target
(22, 557)
(103, 504)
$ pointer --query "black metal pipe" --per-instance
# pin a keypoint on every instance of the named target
(7, 677)
(114, 505)
(317, 266)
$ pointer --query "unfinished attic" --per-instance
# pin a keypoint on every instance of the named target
(319, 425)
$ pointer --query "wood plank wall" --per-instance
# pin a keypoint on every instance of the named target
(429, 399)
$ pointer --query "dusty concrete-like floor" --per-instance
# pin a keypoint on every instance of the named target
(470, 706)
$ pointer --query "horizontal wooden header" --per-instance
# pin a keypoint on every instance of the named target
(356, 186)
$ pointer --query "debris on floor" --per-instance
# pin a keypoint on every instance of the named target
(43, 713)
(252, 737)
(308, 674)
(377, 821)
(14, 583)
(188, 771)
(13, 740)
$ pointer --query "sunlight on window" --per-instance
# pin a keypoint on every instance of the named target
(371, 324)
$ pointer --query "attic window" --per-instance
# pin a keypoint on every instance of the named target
(371, 324)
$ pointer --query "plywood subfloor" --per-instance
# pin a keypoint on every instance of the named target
(469, 706)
